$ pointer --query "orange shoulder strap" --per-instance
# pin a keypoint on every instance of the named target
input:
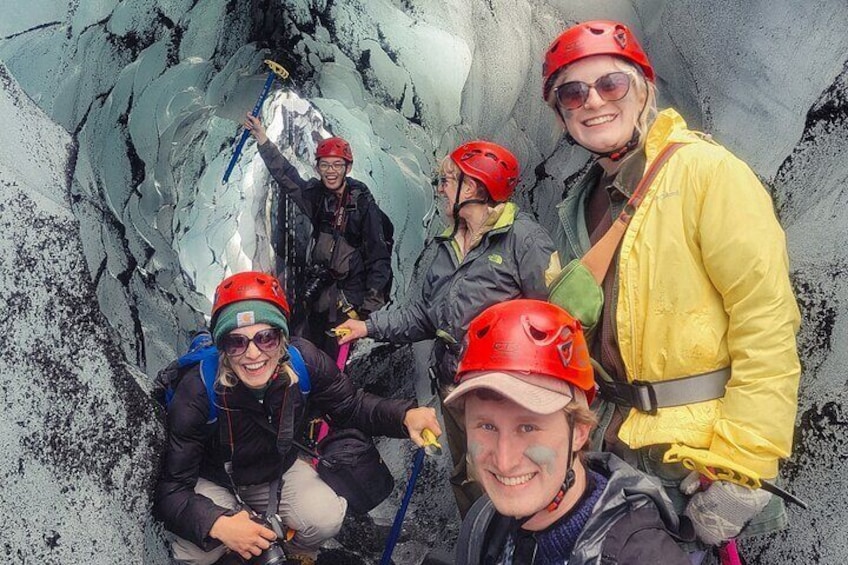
(599, 257)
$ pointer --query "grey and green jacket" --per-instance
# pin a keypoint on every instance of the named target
(509, 262)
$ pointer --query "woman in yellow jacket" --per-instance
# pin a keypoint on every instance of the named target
(697, 332)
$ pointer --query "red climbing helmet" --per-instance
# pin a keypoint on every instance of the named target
(597, 37)
(528, 337)
(494, 166)
(334, 147)
(250, 285)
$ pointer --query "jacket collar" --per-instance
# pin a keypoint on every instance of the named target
(668, 127)
(629, 174)
(500, 218)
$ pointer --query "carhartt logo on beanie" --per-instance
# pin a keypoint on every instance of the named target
(247, 313)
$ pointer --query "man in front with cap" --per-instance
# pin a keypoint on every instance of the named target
(525, 381)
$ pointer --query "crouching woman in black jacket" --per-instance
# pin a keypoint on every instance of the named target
(211, 463)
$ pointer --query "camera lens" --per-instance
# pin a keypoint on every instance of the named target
(274, 555)
(319, 277)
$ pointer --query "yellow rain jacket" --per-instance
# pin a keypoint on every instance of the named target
(704, 284)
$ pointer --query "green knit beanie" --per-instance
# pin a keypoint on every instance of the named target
(247, 313)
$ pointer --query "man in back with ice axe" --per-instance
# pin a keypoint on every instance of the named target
(350, 274)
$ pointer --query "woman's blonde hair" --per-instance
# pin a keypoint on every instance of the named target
(227, 376)
(643, 87)
(581, 414)
(448, 166)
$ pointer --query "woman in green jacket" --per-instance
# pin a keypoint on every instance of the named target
(490, 252)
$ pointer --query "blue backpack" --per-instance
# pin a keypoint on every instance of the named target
(202, 351)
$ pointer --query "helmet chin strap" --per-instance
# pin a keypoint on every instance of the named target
(457, 204)
(614, 155)
(569, 476)
(618, 154)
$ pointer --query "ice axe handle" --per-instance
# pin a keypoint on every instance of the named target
(276, 71)
(394, 533)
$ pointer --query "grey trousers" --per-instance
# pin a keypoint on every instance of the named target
(307, 505)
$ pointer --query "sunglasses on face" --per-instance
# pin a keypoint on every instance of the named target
(610, 87)
(338, 167)
(266, 340)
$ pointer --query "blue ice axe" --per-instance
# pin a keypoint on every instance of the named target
(431, 447)
(277, 70)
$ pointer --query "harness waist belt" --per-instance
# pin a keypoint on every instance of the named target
(648, 397)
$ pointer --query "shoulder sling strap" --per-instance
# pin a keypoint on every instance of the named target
(599, 257)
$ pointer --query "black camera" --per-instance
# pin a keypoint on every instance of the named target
(274, 555)
(318, 277)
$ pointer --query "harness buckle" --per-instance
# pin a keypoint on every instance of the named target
(645, 397)
(637, 394)
(434, 380)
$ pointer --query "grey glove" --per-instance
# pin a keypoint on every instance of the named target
(721, 511)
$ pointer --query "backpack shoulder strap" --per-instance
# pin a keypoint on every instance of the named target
(299, 366)
(482, 534)
(208, 357)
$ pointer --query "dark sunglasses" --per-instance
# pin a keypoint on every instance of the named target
(610, 87)
(236, 344)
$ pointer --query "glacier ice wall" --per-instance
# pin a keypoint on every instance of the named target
(137, 109)
(79, 436)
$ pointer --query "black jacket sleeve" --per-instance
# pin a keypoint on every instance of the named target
(376, 258)
(287, 177)
(185, 513)
(641, 537)
(335, 396)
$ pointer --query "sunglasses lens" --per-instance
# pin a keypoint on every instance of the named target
(267, 340)
(572, 95)
(234, 344)
(610, 87)
(613, 86)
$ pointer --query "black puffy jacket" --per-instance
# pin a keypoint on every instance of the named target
(196, 448)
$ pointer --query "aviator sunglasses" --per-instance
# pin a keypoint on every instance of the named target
(610, 87)
(265, 340)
